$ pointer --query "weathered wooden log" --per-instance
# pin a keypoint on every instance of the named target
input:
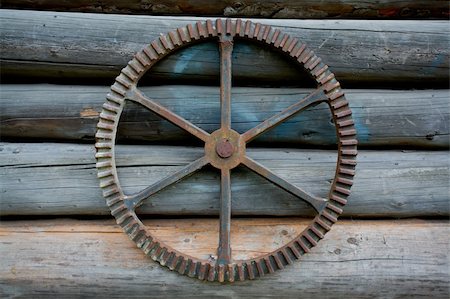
(60, 179)
(49, 46)
(280, 9)
(407, 119)
(73, 259)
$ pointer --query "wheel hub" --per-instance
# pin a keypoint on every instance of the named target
(225, 149)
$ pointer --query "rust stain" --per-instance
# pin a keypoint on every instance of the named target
(89, 113)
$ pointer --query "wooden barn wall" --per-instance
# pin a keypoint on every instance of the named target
(58, 58)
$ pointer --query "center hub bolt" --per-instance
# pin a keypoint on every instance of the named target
(224, 148)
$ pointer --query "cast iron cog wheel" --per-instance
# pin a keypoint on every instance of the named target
(225, 149)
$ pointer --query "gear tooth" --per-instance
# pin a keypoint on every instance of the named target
(261, 32)
(306, 55)
(103, 164)
(251, 272)
(110, 191)
(286, 256)
(348, 142)
(202, 271)
(349, 132)
(107, 181)
(182, 265)
(212, 273)
(201, 29)
(129, 73)
(118, 88)
(240, 270)
(184, 35)
(193, 34)
(281, 41)
(347, 171)
(229, 29)
(257, 29)
(231, 272)
(165, 257)
(295, 251)
(301, 243)
(312, 63)
(318, 72)
(104, 174)
(330, 217)
(344, 112)
(219, 27)
(343, 181)
(113, 98)
(248, 25)
(173, 261)
(221, 273)
(118, 209)
(108, 116)
(99, 155)
(331, 85)
(298, 52)
(259, 267)
(342, 190)
(210, 28)
(150, 51)
(157, 47)
(112, 200)
(310, 239)
(99, 145)
(103, 135)
(193, 268)
(142, 58)
(274, 37)
(136, 65)
(174, 38)
(154, 251)
(165, 43)
(334, 208)
(320, 222)
(266, 33)
(124, 80)
(111, 107)
(160, 254)
(316, 232)
(239, 27)
(269, 265)
(346, 123)
(141, 239)
(328, 77)
(292, 45)
(278, 262)
(124, 220)
(102, 124)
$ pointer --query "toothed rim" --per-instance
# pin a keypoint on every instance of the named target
(107, 131)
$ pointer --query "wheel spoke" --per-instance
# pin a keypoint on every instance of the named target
(224, 250)
(137, 96)
(312, 99)
(317, 203)
(226, 49)
(135, 200)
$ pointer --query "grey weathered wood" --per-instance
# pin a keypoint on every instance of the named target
(90, 47)
(407, 119)
(60, 179)
(251, 8)
(357, 259)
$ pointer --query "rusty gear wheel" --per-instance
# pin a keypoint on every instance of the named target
(225, 149)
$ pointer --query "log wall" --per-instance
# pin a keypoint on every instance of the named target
(394, 71)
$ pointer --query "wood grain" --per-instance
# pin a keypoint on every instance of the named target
(367, 259)
(406, 9)
(60, 179)
(83, 47)
(383, 118)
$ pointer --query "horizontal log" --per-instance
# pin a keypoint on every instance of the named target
(387, 118)
(278, 9)
(60, 179)
(56, 46)
(73, 259)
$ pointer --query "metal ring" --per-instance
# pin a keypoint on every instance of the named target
(225, 149)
